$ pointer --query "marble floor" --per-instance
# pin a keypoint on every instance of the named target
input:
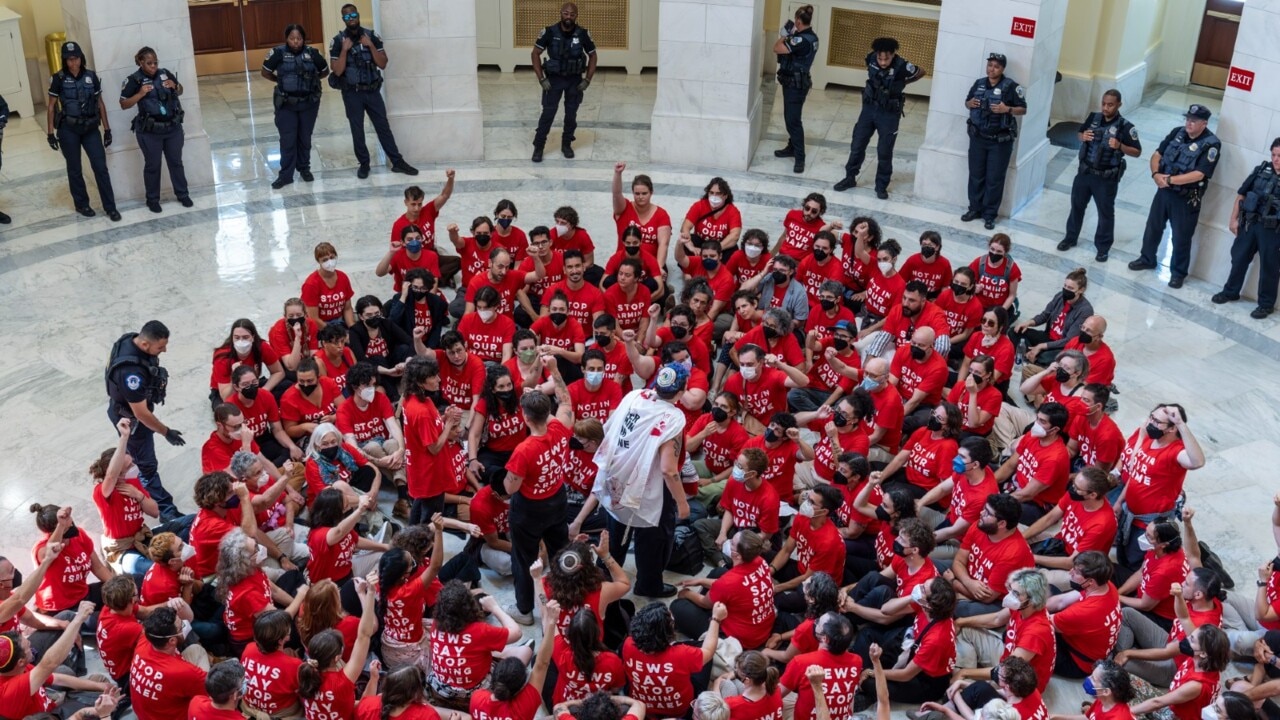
(71, 285)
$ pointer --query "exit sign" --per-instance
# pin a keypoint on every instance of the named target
(1023, 27)
(1240, 79)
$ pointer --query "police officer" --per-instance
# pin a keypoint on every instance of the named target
(883, 99)
(993, 101)
(1258, 231)
(296, 69)
(1181, 168)
(1107, 138)
(358, 58)
(796, 47)
(4, 120)
(135, 385)
(158, 125)
(570, 52)
(75, 110)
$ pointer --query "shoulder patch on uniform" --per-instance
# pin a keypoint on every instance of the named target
(133, 382)
(1020, 92)
(1133, 132)
(1213, 154)
(796, 40)
(911, 68)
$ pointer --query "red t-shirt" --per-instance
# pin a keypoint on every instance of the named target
(812, 274)
(662, 681)
(929, 459)
(1119, 711)
(459, 385)
(935, 275)
(1091, 625)
(160, 685)
(258, 418)
(823, 377)
(202, 708)
(905, 580)
(747, 590)
(524, 706)
(338, 370)
(822, 322)
(485, 339)
(786, 346)
(782, 464)
(159, 585)
(579, 240)
(597, 404)
(967, 499)
(206, 532)
(935, 649)
(584, 302)
(490, 513)
(330, 562)
(838, 687)
(370, 708)
(762, 397)
(1097, 445)
(1153, 476)
(743, 268)
(216, 454)
(1102, 362)
(66, 582)
(901, 327)
(992, 562)
(888, 415)
(698, 342)
(628, 311)
(719, 449)
(928, 375)
(562, 337)
(295, 407)
(824, 455)
(993, 288)
(117, 636)
(989, 399)
(1083, 530)
(648, 230)
(883, 293)
(504, 431)
(244, 601)
(1209, 685)
(272, 679)
(540, 461)
(462, 660)
(329, 301)
(511, 283)
(1032, 707)
(402, 263)
(406, 604)
(121, 516)
(224, 358)
(426, 222)
(571, 684)
(710, 227)
(16, 697)
(797, 235)
(516, 242)
(617, 365)
(1035, 635)
(369, 423)
(960, 316)
(649, 267)
(280, 337)
(1049, 464)
(1001, 350)
(422, 427)
(474, 259)
(335, 700)
(768, 707)
(1158, 573)
(552, 273)
(751, 508)
(818, 549)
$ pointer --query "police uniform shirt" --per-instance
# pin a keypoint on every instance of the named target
(1126, 133)
(1255, 182)
(132, 84)
(336, 48)
(276, 57)
(580, 36)
(802, 48)
(132, 382)
(1206, 161)
(1013, 97)
(91, 87)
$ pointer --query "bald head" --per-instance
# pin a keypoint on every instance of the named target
(876, 366)
(923, 337)
(1095, 326)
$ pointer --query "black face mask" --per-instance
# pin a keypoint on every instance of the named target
(250, 393)
(882, 515)
(373, 323)
(934, 423)
(959, 290)
(898, 549)
(994, 258)
(1085, 338)
(839, 419)
(632, 250)
(1074, 493)
(329, 453)
(679, 331)
(840, 344)
(417, 296)
(779, 277)
(770, 333)
(1061, 375)
(1275, 564)
(482, 238)
(603, 340)
(296, 321)
(928, 251)
(505, 395)
(820, 255)
(1076, 586)
(559, 318)
(576, 444)
(307, 389)
(1184, 647)
(1154, 432)
(718, 414)
(917, 353)
(771, 436)
(827, 305)
(71, 532)
(839, 478)
(1068, 295)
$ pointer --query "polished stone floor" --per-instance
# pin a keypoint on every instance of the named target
(71, 285)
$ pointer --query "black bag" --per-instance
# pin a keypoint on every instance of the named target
(686, 556)
(1210, 560)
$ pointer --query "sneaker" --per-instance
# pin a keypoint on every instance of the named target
(86, 211)
(362, 172)
(567, 151)
(306, 175)
(1223, 298)
(401, 509)
(400, 166)
(1260, 313)
(514, 612)
(845, 184)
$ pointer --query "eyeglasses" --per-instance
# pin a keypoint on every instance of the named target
(249, 386)
(989, 323)
(6, 582)
(351, 16)
(810, 209)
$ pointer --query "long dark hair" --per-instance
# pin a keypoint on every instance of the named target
(417, 371)
(583, 636)
(492, 374)
(226, 348)
(401, 688)
(393, 570)
(572, 579)
(456, 608)
(324, 649)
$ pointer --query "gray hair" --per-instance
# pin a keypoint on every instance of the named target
(710, 706)
(1082, 362)
(322, 430)
(1035, 584)
(241, 461)
(832, 287)
(998, 710)
(235, 562)
(781, 317)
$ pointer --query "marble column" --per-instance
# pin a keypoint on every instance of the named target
(968, 31)
(1248, 122)
(708, 107)
(431, 86)
(111, 36)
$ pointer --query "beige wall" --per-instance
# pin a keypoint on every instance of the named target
(1110, 37)
(38, 19)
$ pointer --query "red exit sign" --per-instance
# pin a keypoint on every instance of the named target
(1240, 79)
(1023, 27)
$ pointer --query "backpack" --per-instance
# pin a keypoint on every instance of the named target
(686, 555)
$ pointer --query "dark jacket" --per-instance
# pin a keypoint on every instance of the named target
(1080, 311)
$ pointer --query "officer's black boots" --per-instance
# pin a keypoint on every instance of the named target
(86, 211)
(114, 215)
(363, 171)
(787, 151)
(5, 219)
(1066, 244)
(400, 166)
(845, 184)
(537, 154)
(153, 206)
(280, 182)
(799, 167)
(567, 150)
(971, 215)
(186, 201)
(306, 175)
(989, 224)
(882, 194)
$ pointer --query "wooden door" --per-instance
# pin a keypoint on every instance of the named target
(229, 36)
(265, 21)
(1217, 42)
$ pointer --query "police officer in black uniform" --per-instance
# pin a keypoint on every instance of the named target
(796, 47)
(158, 125)
(297, 70)
(883, 99)
(1107, 138)
(358, 58)
(1181, 168)
(993, 101)
(135, 385)
(1255, 219)
(75, 111)
(570, 52)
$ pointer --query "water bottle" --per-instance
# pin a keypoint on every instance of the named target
(1021, 355)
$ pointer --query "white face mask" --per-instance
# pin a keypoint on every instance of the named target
(262, 554)
(885, 267)
(753, 251)
(1011, 602)
(1038, 431)
(1145, 544)
(749, 373)
(187, 553)
(917, 594)
(1208, 712)
(806, 509)
(561, 229)
(368, 393)
(486, 315)
(242, 346)
(329, 265)
(715, 200)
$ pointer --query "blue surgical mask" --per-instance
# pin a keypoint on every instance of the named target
(413, 246)
(869, 385)
(594, 377)
(1089, 689)
(738, 474)
(958, 464)
(504, 223)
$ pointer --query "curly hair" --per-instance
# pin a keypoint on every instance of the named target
(822, 595)
(212, 489)
(395, 567)
(456, 607)
(599, 705)
(571, 579)
(98, 470)
(160, 549)
(417, 540)
(235, 562)
(321, 610)
(653, 629)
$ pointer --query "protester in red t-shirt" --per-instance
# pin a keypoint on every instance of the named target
(816, 543)
(661, 670)
(121, 502)
(1037, 472)
(977, 397)
(463, 645)
(559, 332)
(334, 357)
(1028, 635)
(1196, 685)
(1164, 564)
(161, 681)
(928, 266)
(714, 217)
(932, 656)
(962, 310)
(515, 691)
(243, 347)
(968, 486)
(800, 225)
(998, 275)
(919, 371)
(488, 329)
(1102, 361)
(22, 685)
(327, 292)
(896, 328)
(761, 385)
(473, 252)
(66, 582)
(327, 686)
(271, 674)
(423, 214)
(1062, 319)
(118, 627)
(746, 589)
(1087, 523)
(926, 457)
(992, 341)
(719, 436)
(1093, 436)
(225, 685)
(1086, 622)
(1013, 681)
(245, 589)
(654, 222)
(1153, 469)
(842, 669)
(293, 336)
(991, 550)
(503, 277)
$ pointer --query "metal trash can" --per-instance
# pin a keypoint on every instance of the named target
(53, 49)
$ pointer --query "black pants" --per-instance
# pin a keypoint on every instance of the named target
(884, 124)
(1034, 336)
(1064, 664)
(565, 86)
(169, 143)
(1102, 191)
(272, 449)
(295, 124)
(1170, 207)
(988, 166)
(1265, 243)
(72, 141)
(534, 522)
(142, 448)
(691, 619)
(653, 546)
(359, 103)
(792, 106)
(423, 509)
